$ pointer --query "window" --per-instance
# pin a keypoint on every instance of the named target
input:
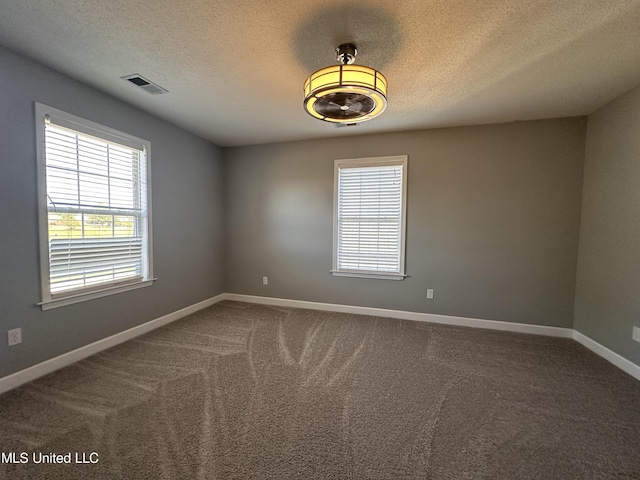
(94, 206)
(369, 217)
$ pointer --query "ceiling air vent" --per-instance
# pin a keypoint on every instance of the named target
(145, 84)
(343, 125)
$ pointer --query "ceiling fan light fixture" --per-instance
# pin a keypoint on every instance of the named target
(345, 93)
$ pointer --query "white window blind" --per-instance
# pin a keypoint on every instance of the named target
(369, 217)
(97, 225)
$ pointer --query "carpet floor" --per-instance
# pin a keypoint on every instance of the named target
(241, 391)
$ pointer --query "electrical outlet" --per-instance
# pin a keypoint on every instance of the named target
(636, 334)
(265, 280)
(14, 337)
(430, 293)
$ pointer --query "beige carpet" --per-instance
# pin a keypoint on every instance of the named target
(241, 391)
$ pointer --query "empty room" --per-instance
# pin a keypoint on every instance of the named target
(320, 240)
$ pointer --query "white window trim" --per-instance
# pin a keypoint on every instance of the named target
(371, 162)
(97, 130)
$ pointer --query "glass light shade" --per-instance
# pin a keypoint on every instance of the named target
(345, 94)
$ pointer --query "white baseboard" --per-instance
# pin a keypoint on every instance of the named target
(619, 361)
(28, 374)
(404, 315)
(24, 376)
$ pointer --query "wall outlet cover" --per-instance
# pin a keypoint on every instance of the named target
(636, 334)
(14, 337)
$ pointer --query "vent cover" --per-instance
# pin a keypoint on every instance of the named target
(144, 84)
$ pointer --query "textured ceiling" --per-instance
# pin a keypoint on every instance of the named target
(235, 69)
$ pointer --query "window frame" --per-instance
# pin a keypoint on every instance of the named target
(86, 127)
(403, 161)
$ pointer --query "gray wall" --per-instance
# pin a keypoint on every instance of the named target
(187, 218)
(493, 221)
(608, 280)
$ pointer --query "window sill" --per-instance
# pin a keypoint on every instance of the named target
(377, 276)
(83, 297)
